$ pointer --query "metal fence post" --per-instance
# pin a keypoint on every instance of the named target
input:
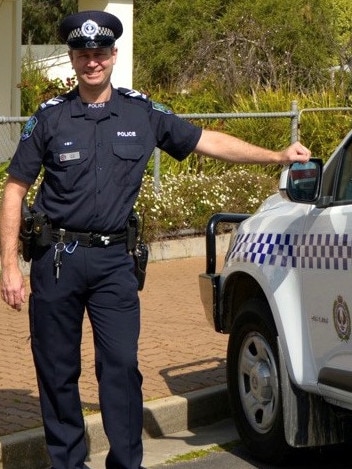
(157, 156)
(294, 122)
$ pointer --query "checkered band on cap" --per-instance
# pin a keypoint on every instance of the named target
(90, 29)
(78, 33)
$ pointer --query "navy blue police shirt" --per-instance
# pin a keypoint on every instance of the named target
(94, 161)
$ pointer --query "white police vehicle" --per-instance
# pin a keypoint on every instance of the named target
(284, 296)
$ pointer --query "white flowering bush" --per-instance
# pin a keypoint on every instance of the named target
(184, 203)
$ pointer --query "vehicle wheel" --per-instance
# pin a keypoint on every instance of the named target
(253, 378)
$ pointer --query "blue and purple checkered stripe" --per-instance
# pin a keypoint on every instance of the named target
(312, 251)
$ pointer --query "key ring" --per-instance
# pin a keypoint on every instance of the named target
(60, 246)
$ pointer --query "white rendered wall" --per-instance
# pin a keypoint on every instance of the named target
(10, 73)
(10, 57)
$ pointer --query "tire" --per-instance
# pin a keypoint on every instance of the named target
(253, 381)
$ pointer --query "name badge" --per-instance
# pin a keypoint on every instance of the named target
(75, 155)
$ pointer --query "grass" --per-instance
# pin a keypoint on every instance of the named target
(192, 455)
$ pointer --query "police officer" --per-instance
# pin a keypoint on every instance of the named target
(94, 144)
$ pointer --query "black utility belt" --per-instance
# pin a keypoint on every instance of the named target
(88, 239)
(37, 230)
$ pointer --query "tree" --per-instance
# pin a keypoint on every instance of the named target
(342, 14)
(278, 43)
(238, 45)
(167, 33)
(40, 19)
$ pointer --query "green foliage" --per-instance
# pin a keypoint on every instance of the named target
(40, 19)
(342, 23)
(166, 34)
(228, 447)
(320, 131)
(239, 45)
(277, 44)
(36, 87)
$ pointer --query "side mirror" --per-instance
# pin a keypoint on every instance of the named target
(301, 182)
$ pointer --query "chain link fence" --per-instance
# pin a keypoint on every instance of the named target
(10, 131)
(10, 128)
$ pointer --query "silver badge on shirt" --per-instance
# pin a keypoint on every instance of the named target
(75, 155)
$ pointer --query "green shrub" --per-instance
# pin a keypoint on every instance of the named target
(36, 87)
(319, 131)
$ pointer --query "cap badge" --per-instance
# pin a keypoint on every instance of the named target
(90, 29)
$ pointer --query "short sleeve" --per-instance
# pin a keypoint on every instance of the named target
(175, 135)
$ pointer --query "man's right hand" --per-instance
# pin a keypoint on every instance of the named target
(13, 290)
(12, 284)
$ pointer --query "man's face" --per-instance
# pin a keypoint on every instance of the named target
(93, 67)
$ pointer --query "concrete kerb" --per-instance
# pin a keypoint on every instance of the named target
(186, 247)
(26, 449)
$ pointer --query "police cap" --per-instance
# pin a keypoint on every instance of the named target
(90, 29)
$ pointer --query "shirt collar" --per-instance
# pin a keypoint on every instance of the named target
(77, 108)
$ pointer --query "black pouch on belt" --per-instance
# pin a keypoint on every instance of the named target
(140, 256)
(42, 230)
(137, 248)
(26, 232)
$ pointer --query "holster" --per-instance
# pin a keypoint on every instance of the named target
(140, 255)
(26, 232)
(137, 248)
(35, 230)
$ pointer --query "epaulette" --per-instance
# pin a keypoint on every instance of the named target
(133, 93)
(52, 102)
(33, 121)
(143, 97)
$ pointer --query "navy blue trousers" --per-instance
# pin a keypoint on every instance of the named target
(100, 281)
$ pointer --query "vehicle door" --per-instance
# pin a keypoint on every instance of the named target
(326, 270)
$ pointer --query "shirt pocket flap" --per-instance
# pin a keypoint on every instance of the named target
(132, 151)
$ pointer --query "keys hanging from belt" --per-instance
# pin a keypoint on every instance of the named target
(60, 246)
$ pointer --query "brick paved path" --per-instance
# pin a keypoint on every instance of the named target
(178, 350)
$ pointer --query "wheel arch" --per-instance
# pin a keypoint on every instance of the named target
(238, 288)
(241, 286)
